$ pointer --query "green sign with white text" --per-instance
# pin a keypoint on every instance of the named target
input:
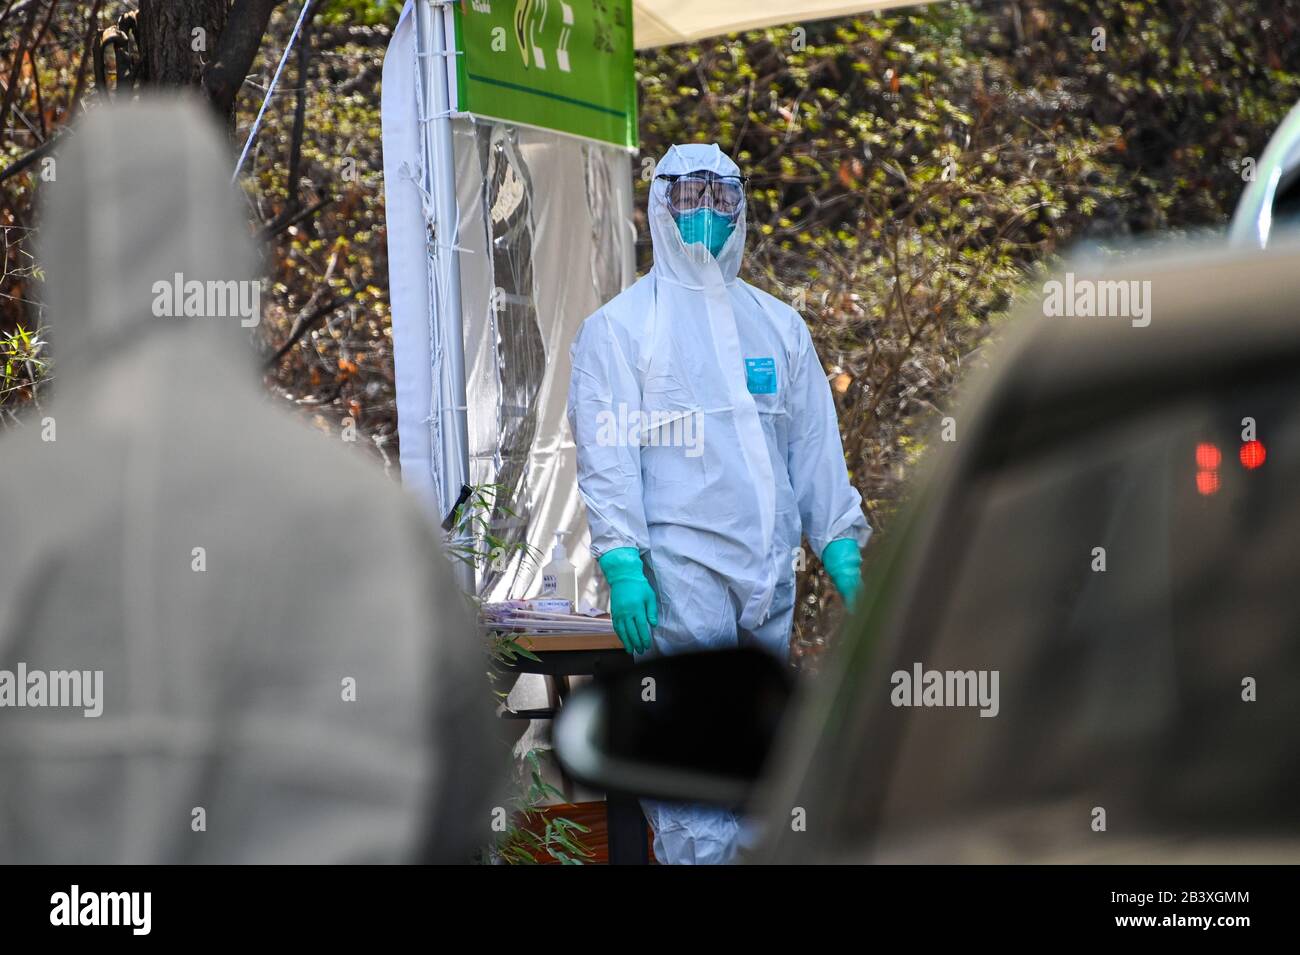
(564, 65)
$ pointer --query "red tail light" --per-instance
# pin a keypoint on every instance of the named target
(1207, 456)
(1252, 455)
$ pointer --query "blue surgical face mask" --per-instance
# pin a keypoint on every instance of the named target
(706, 226)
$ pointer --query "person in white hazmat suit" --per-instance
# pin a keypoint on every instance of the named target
(261, 654)
(708, 446)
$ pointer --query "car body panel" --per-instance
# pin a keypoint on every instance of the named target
(1219, 316)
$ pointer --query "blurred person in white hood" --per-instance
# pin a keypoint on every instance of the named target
(286, 672)
(708, 447)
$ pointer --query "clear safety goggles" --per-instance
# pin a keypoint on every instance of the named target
(700, 190)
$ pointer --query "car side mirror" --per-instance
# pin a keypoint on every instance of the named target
(695, 727)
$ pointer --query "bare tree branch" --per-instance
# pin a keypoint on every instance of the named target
(15, 71)
(21, 164)
(237, 48)
(87, 45)
(300, 107)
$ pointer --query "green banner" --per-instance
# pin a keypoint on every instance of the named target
(558, 64)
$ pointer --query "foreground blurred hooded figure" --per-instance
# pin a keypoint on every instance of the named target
(288, 674)
(708, 446)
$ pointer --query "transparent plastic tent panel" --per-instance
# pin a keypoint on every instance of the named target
(545, 239)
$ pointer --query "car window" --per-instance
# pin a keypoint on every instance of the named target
(1286, 202)
(1126, 587)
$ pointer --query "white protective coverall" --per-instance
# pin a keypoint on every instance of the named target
(289, 673)
(737, 455)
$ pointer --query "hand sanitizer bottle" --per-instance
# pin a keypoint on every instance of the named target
(558, 577)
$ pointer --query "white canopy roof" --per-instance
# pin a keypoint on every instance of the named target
(661, 22)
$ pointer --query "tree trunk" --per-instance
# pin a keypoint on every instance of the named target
(166, 31)
(214, 61)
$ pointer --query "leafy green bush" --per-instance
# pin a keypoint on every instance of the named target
(23, 368)
(367, 12)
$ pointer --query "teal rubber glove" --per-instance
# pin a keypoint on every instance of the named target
(843, 562)
(632, 603)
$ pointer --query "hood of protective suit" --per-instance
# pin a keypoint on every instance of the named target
(133, 233)
(674, 259)
(201, 659)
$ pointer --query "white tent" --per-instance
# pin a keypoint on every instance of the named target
(661, 22)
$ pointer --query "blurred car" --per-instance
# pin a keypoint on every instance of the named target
(1270, 204)
(1115, 533)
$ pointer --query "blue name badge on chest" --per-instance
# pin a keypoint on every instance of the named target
(760, 375)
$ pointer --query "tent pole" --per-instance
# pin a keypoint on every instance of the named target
(435, 46)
